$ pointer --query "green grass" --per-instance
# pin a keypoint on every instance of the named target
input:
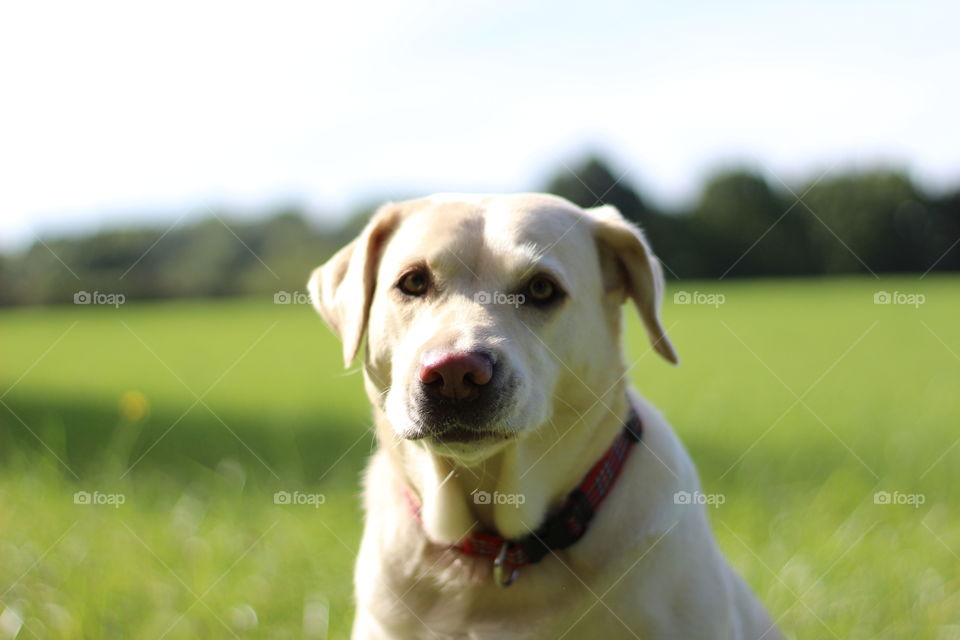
(199, 543)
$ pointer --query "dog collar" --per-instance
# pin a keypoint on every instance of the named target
(562, 529)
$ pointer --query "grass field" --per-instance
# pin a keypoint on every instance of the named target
(799, 401)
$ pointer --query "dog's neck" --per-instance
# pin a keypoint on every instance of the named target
(512, 491)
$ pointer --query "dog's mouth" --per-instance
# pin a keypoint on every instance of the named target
(449, 431)
(461, 434)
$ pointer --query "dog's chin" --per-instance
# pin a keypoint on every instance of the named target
(467, 449)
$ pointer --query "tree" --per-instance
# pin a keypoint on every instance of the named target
(943, 252)
(743, 227)
(874, 220)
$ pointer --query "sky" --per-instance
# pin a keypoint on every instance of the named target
(147, 113)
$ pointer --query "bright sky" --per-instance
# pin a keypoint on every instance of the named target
(117, 111)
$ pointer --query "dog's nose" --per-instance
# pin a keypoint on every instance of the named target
(456, 374)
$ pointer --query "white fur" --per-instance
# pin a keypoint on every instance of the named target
(648, 567)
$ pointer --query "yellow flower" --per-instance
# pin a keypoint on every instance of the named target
(134, 406)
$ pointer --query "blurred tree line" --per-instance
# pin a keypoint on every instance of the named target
(740, 225)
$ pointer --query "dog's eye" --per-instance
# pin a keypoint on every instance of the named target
(541, 291)
(414, 283)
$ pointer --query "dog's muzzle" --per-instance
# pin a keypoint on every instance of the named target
(458, 395)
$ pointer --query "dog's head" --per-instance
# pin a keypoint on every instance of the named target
(482, 312)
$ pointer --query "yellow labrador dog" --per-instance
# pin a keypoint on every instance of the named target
(520, 489)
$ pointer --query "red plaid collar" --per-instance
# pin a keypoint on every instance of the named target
(562, 529)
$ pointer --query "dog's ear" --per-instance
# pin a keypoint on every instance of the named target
(342, 289)
(639, 271)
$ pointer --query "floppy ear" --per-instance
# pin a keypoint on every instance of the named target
(639, 269)
(342, 289)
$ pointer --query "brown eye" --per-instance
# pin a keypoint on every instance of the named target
(414, 283)
(542, 291)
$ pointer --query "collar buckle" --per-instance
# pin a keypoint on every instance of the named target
(499, 566)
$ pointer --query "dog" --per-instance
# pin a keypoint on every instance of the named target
(520, 488)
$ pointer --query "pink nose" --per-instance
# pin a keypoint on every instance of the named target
(456, 374)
